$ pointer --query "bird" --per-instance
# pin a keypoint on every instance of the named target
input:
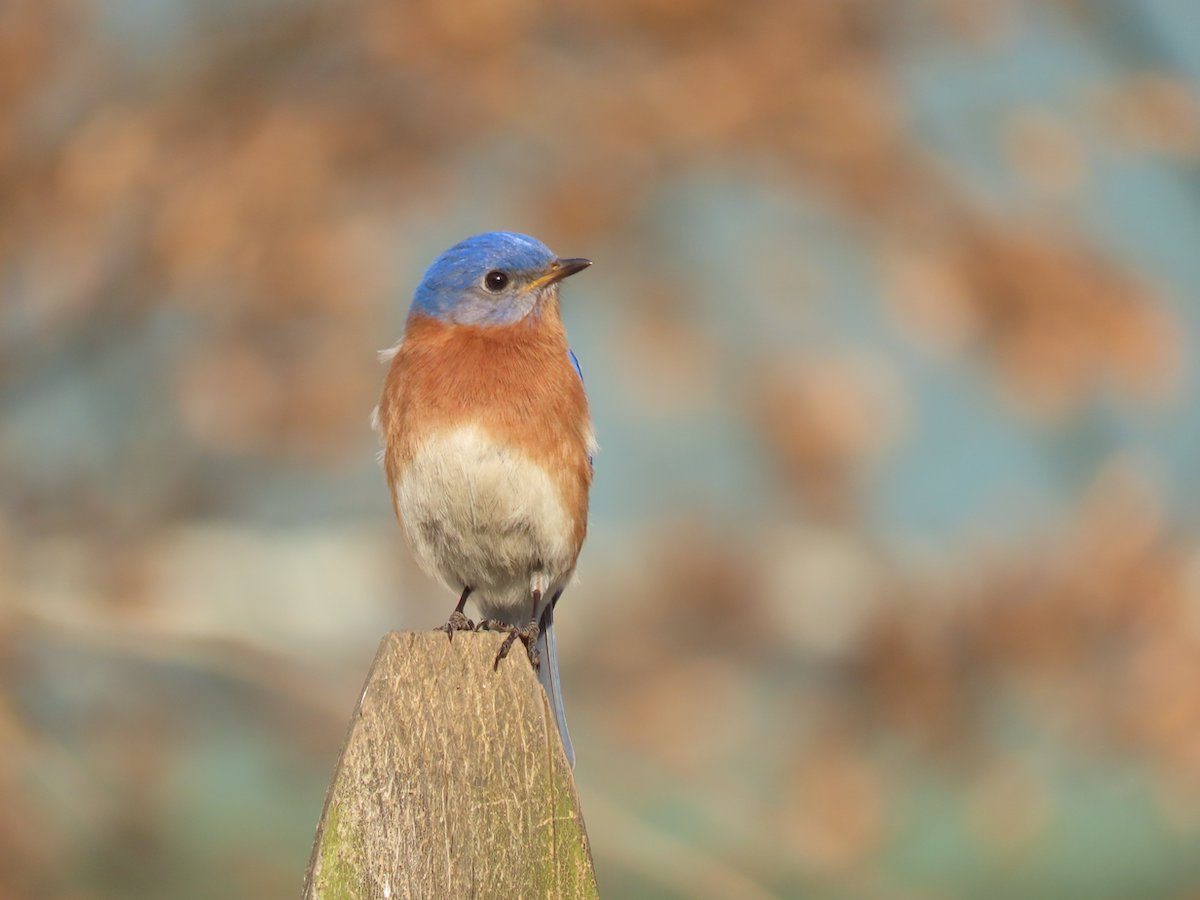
(488, 443)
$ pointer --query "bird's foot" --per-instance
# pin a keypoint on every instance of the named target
(527, 635)
(457, 622)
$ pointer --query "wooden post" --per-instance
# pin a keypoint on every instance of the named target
(452, 782)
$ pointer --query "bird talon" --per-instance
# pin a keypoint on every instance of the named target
(527, 635)
(457, 622)
(504, 648)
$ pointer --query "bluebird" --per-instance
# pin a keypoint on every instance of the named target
(488, 443)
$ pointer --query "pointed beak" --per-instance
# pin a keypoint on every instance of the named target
(560, 269)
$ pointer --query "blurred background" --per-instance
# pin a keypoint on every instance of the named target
(893, 583)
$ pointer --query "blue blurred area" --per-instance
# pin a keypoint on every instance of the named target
(891, 587)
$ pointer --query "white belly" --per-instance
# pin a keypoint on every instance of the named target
(480, 514)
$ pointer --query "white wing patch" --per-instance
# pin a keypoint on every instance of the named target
(377, 427)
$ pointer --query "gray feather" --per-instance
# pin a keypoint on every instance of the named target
(548, 676)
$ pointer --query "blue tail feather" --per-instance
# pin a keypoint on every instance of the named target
(548, 676)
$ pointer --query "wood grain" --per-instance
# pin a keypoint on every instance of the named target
(452, 782)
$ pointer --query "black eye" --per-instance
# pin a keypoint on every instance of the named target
(495, 280)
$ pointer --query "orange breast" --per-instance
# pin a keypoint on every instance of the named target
(516, 382)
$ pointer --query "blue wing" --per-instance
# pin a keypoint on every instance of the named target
(548, 671)
(579, 372)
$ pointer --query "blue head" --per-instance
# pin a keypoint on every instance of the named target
(496, 278)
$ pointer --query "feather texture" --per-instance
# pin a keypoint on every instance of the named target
(487, 444)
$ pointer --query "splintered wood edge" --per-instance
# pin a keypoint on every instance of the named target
(501, 814)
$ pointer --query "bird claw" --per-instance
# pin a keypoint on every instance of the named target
(527, 635)
(457, 622)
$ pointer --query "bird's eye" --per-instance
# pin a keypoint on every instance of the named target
(495, 280)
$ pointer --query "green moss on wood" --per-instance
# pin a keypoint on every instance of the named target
(337, 876)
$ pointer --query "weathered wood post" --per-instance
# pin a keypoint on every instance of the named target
(452, 783)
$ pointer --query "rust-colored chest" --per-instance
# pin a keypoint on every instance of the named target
(515, 383)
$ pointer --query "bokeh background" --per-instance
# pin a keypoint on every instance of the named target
(893, 583)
